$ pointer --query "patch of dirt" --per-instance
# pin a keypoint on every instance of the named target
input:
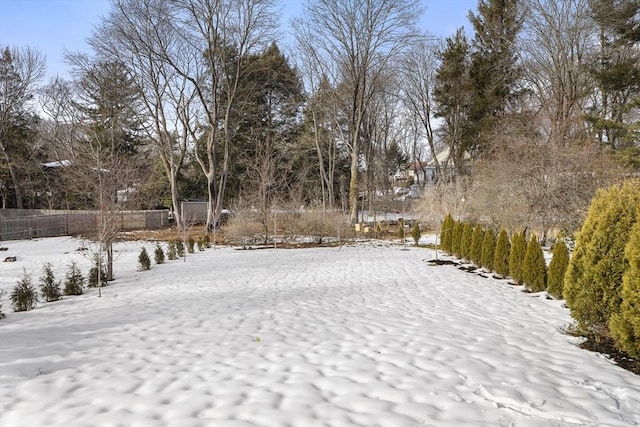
(606, 346)
(441, 262)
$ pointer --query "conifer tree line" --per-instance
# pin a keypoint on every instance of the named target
(197, 99)
(600, 280)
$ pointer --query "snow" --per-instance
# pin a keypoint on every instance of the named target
(363, 335)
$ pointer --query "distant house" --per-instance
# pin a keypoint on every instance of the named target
(423, 172)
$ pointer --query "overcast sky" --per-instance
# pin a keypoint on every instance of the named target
(53, 26)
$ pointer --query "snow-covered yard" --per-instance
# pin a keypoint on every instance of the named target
(366, 335)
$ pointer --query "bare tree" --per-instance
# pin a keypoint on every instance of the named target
(20, 71)
(354, 43)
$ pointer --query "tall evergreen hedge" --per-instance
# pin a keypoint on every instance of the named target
(593, 282)
(446, 233)
(625, 325)
(456, 238)
(476, 244)
(488, 249)
(501, 255)
(465, 243)
(557, 269)
(516, 257)
(534, 268)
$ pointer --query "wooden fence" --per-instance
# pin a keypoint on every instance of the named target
(17, 224)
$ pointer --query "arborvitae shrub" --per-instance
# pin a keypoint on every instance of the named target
(593, 282)
(74, 280)
(516, 257)
(92, 281)
(625, 325)
(476, 244)
(465, 242)
(179, 248)
(488, 249)
(172, 252)
(158, 254)
(415, 233)
(401, 232)
(24, 296)
(206, 242)
(456, 238)
(534, 268)
(49, 287)
(557, 269)
(190, 244)
(446, 233)
(501, 255)
(144, 262)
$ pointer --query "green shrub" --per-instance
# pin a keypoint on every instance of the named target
(534, 268)
(190, 244)
(98, 264)
(446, 233)
(49, 287)
(465, 242)
(476, 245)
(415, 233)
(501, 255)
(172, 251)
(401, 232)
(158, 254)
(179, 248)
(24, 296)
(593, 282)
(625, 325)
(74, 280)
(456, 239)
(144, 262)
(557, 269)
(488, 249)
(516, 257)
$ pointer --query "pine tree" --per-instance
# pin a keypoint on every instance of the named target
(74, 280)
(24, 296)
(446, 233)
(158, 254)
(172, 253)
(476, 245)
(49, 287)
(625, 325)
(534, 268)
(488, 249)
(501, 255)
(415, 233)
(557, 269)
(144, 262)
(593, 282)
(516, 257)
(179, 248)
(97, 268)
(465, 243)
(456, 239)
(190, 244)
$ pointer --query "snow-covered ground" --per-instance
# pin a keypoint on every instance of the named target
(366, 335)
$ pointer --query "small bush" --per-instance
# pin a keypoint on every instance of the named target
(534, 268)
(24, 296)
(144, 262)
(446, 233)
(415, 233)
(190, 244)
(158, 254)
(557, 269)
(476, 245)
(456, 239)
(465, 242)
(74, 280)
(488, 249)
(172, 251)
(92, 281)
(49, 288)
(401, 232)
(501, 256)
(179, 248)
(516, 257)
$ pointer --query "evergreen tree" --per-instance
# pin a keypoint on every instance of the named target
(74, 280)
(446, 233)
(625, 325)
(456, 239)
(172, 251)
(144, 262)
(49, 287)
(190, 244)
(24, 296)
(501, 256)
(488, 249)
(476, 245)
(415, 233)
(593, 282)
(557, 269)
(465, 243)
(516, 257)
(158, 254)
(97, 268)
(534, 268)
(179, 248)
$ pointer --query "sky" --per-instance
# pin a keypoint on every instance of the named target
(53, 26)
